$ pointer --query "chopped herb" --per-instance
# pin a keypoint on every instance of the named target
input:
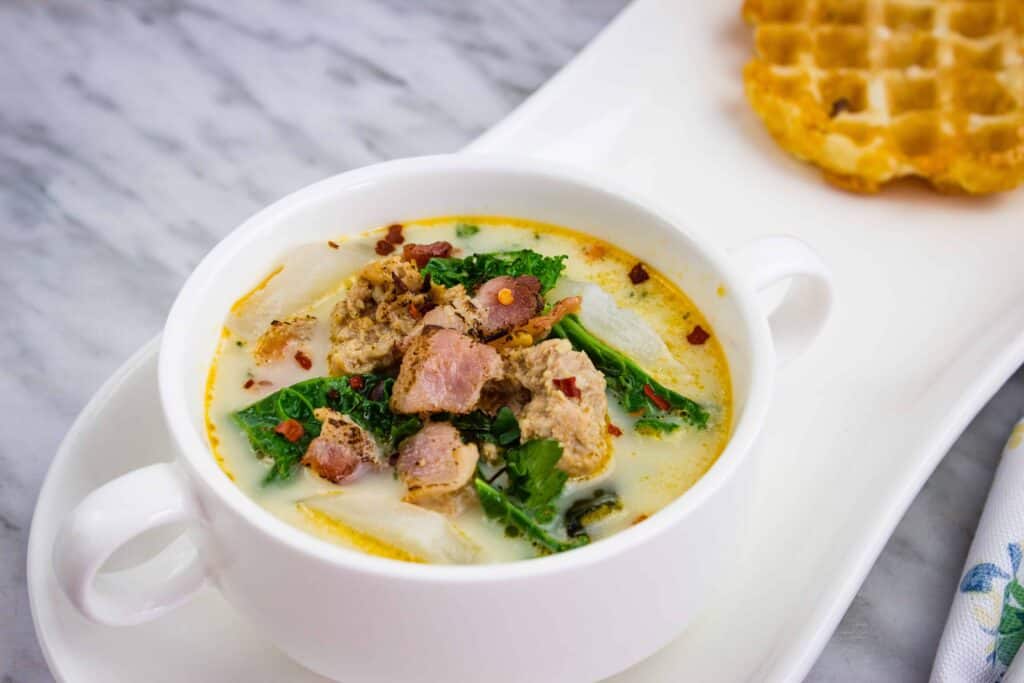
(634, 389)
(239, 343)
(534, 480)
(501, 430)
(478, 268)
(367, 407)
(586, 511)
(466, 230)
(500, 507)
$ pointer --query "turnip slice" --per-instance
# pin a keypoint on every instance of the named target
(423, 534)
(625, 330)
(307, 273)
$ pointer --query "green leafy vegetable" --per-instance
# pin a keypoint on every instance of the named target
(501, 430)
(654, 425)
(634, 389)
(500, 507)
(587, 511)
(533, 478)
(466, 230)
(366, 406)
(477, 268)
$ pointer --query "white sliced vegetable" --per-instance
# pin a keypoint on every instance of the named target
(422, 533)
(625, 330)
(307, 274)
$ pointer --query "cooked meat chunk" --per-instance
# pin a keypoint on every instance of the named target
(538, 327)
(380, 310)
(336, 455)
(283, 336)
(578, 423)
(453, 310)
(435, 465)
(420, 254)
(443, 371)
(506, 302)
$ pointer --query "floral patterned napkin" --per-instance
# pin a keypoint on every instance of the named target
(986, 623)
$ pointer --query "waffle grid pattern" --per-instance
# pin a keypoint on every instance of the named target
(873, 90)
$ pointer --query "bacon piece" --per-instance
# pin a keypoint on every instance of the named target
(698, 336)
(422, 253)
(443, 371)
(520, 302)
(434, 463)
(395, 235)
(538, 327)
(336, 455)
(290, 429)
(638, 274)
(384, 247)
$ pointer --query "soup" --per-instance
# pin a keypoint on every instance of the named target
(466, 390)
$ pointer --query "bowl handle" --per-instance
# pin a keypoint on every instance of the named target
(798, 318)
(108, 518)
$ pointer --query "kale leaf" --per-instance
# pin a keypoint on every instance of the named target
(466, 229)
(366, 406)
(533, 478)
(500, 507)
(478, 268)
(501, 430)
(634, 389)
(655, 425)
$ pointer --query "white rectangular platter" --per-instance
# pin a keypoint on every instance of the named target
(929, 319)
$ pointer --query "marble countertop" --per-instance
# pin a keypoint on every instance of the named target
(133, 135)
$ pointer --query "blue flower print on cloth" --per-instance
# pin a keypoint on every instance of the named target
(1001, 612)
(985, 627)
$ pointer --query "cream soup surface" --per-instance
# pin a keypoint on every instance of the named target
(646, 471)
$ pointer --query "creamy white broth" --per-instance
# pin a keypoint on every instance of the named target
(646, 471)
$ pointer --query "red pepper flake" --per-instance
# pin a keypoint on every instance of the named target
(395, 235)
(332, 244)
(613, 430)
(655, 398)
(639, 274)
(698, 336)
(384, 248)
(639, 518)
(248, 383)
(290, 429)
(333, 395)
(415, 312)
(567, 385)
(303, 360)
(356, 382)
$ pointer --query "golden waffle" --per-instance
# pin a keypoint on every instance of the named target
(873, 90)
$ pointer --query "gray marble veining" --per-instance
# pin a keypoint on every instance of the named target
(133, 135)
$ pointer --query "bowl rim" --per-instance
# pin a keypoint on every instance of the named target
(194, 452)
